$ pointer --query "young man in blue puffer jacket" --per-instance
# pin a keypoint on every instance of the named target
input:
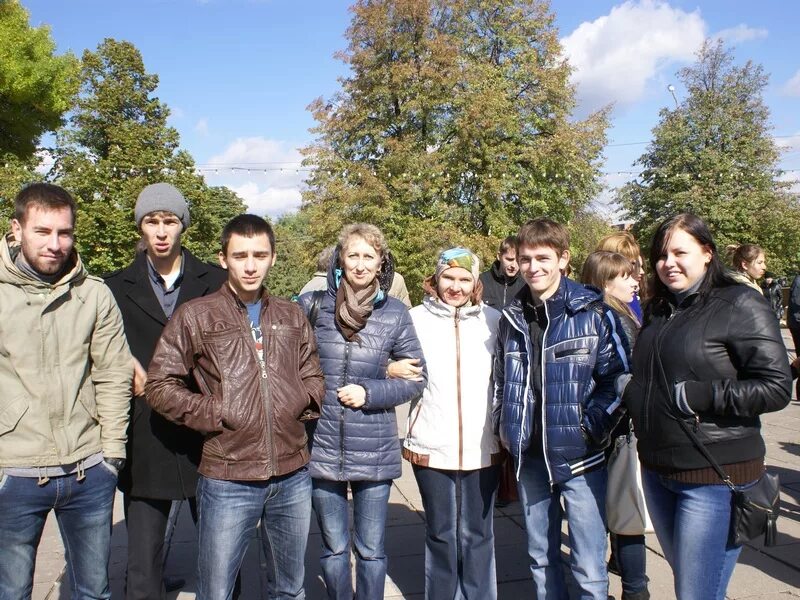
(559, 353)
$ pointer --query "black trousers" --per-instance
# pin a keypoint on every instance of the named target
(146, 520)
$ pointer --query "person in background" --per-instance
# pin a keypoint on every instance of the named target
(501, 281)
(623, 242)
(162, 457)
(450, 439)
(65, 375)
(748, 263)
(613, 274)
(319, 281)
(559, 353)
(773, 292)
(709, 355)
(240, 366)
(359, 328)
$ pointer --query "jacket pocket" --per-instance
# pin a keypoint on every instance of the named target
(87, 399)
(12, 413)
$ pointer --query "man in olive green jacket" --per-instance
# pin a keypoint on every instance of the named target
(65, 385)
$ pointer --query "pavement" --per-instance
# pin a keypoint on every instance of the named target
(762, 573)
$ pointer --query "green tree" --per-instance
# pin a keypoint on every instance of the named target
(36, 86)
(118, 141)
(453, 127)
(713, 155)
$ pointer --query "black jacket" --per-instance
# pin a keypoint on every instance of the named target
(499, 289)
(728, 350)
(162, 457)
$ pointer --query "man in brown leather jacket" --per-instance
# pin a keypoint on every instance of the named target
(254, 359)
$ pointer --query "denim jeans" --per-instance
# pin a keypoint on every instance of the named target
(370, 505)
(630, 553)
(83, 511)
(584, 498)
(459, 532)
(692, 523)
(228, 513)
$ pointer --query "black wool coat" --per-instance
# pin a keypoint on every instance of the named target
(162, 457)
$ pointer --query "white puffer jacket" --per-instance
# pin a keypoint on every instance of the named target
(450, 426)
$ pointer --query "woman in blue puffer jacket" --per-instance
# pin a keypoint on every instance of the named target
(359, 328)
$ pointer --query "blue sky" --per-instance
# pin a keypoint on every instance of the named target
(238, 74)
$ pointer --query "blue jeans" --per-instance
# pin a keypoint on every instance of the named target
(370, 505)
(459, 532)
(584, 497)
(83, 511)
(228, 513)
(692, 523)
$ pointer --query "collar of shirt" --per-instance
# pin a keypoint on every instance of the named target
(156, 277)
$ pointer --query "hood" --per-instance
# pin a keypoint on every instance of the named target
(9, 273)
(385, 276)
(440, 309)
(570, 297)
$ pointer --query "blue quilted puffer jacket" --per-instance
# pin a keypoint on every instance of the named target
(584, 351)
(362, 444)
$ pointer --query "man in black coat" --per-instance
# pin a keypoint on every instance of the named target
(501, 282)
(162, 457)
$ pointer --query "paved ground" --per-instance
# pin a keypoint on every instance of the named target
(762, 573)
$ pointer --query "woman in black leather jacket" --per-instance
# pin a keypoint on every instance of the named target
(710, 354)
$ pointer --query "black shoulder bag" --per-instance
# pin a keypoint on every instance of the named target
(754, 511)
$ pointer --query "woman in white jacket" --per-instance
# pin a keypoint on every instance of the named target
(450, 442)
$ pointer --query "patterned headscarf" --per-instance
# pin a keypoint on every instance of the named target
(458, 257)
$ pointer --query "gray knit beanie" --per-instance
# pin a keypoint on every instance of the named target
(161, 196)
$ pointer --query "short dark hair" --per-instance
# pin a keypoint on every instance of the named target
(247, 225)
(509, 243)
(543, 232)
(44, 195)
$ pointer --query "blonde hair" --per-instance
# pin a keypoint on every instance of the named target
(746, 253)
(600, 268)
(621, 242)
(366, 231)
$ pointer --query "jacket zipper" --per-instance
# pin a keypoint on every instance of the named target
(342, 410)
(458, 393)
(265, 391)
(656, 348)
(526, 336)
(544, 396)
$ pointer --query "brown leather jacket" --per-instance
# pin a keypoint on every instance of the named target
(252, 416)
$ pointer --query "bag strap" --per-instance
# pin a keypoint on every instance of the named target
(316, 302)
(695, 440)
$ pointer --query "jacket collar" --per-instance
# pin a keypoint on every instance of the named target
(140, 290)
(440, 309)
(570, 298)
(10, 273)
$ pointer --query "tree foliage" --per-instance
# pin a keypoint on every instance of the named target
(453, 127)
(118, 141)
(36, 86)
(713, 155)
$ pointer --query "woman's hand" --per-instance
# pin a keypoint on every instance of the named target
(352, 396)
(405, 369)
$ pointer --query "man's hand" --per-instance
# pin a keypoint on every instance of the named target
(352, 396)
(139, 378)
(405, 369)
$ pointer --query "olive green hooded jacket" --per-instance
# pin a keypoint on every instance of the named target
(65, 367)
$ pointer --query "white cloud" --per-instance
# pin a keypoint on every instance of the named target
(788, 142)
(741, 33)
(272, 201)
(265, 173)
(201, 127)
(46, 161)
(615, 55)
(792, 87)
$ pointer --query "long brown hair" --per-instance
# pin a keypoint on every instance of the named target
(602, 267)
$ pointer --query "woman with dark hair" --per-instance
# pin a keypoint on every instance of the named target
(748, 262)
(710, 355)
(355, 445)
